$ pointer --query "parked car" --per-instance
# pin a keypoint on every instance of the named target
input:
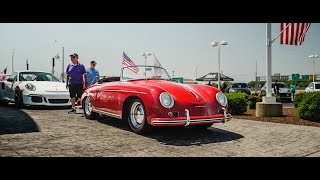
(28, 88)
(313, 86)
(284, 92)
(145, 100)
(240, 87)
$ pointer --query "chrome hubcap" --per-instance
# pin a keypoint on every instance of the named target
(88, 106)
(137, 114)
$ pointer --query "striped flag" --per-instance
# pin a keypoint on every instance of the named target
(2, 78)
(127, 62)
(157, 71)
(294, 34)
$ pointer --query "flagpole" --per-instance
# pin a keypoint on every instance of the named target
(268, 97)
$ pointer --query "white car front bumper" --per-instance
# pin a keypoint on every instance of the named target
(47, 99)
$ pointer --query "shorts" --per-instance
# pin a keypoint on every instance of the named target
(76, 90)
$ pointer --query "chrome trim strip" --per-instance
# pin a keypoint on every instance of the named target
(107, 113)
(197, 97)
(193, 121)
(124, 91)
(188, 117)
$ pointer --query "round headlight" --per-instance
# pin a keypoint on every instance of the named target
(30, 87)
(166, 100)
(222, 99)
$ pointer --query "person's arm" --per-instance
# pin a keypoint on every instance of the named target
(67, 81)
(67, 77)
(85, 81)
(84, 73)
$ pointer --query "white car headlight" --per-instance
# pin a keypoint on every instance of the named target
(231, 90)
(222, 99)
(166, 100)
(30, 87)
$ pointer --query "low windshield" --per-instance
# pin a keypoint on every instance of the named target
(144, 72)
(239, 85)
(317, 86)
(37, 76)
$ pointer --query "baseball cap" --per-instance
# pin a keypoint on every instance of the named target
(93, 62)
(74, 55)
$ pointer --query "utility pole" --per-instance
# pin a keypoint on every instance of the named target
(53, 66)
(12, 62)
(256, 84)
(27, 64)
(62, 72)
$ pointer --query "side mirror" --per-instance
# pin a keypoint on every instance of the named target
(10, 79)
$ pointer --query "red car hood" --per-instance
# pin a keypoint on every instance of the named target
(180, 92)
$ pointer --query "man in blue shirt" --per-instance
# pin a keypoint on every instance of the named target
(92, 73)
(75, 72)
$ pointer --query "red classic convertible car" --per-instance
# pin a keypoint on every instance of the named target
(149, 98)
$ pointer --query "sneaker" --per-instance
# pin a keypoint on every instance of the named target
(72, 111)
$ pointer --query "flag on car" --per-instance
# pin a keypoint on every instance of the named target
(157, 70)
(294, 34)
(2, 78)
(127, 62)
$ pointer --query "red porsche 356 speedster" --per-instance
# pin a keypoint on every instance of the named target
(149, 98)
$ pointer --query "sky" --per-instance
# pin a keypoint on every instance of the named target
(180, 47)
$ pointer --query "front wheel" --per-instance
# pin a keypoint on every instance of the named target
(137, 117)
(87, 108)
(18, 99)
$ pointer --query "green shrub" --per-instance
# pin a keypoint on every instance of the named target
(253, 99)
(298, 98)
(309, 108)
(237, 103)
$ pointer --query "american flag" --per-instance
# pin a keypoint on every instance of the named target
(2, 78)
(126, 61)
(294, 34)
(157, 71)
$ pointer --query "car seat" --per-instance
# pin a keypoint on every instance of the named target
(28, 78)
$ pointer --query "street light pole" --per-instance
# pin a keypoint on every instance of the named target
(213, 44)
(145, 54)
(313, 56)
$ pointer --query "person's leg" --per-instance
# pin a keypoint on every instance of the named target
(72, 91)
(79, 93)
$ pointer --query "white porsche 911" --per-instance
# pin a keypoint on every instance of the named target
(34, 88)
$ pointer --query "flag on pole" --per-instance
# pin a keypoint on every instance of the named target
(157, 70)
(294, 34)
(2, 78)
(127, 62)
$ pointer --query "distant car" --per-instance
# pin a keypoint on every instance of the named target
(313, 86)
(285, 94)
(28, 88)
(240, 87)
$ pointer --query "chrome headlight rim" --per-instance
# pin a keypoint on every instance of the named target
(225, 100)
(30, 87)
(162, 95)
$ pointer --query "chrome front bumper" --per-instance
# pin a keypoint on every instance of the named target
(191, 120)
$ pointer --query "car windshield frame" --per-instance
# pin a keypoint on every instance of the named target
(124, 79)
(38, 74)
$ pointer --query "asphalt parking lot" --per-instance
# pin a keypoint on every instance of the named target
(54, 132)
